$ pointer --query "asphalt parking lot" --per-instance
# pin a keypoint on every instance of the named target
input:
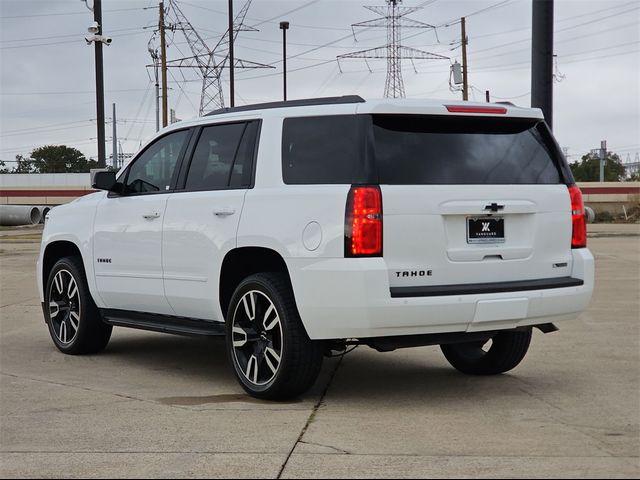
(155, 405)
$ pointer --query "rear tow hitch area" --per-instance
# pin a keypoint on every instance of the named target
(547, 328)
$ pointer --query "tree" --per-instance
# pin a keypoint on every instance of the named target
(3, 167)
(588, 169)
(23, 165)
(60, 159)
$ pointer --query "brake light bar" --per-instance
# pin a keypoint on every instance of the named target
(578, 218)
(363, 222)
(475, 109)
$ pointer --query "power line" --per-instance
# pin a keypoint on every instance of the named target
(77, 92)
(288, 12)
(606, 9)
(456, 21)
(50, 44)
(66, 13)
(5, 132)
(527, 29)
(512, 97)
(272, 20)
(557, 31)
(502, 54)
(72, 35)
(195, 109)
(82, 141)
(526, 64)
(40, 131)
(288, 71)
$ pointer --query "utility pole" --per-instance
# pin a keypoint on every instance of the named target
(154, 56)
(115, 140)
(542, 58)
(163, 52)
(231, 69)
(284, 26)
(97, 17)
(157, 100)
(603, 158)
(487, 96)
(465, 78)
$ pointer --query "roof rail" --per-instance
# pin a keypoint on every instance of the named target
(291, 103)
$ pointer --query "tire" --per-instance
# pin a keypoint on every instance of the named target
(272, 356)
(73, 319)
(506, 351)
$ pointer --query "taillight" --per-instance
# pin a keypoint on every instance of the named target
(578, 219)
(363, 222)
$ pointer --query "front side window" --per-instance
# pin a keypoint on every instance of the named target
(154, 169)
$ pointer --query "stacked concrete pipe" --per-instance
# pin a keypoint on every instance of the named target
(15, 215)
(43, 212)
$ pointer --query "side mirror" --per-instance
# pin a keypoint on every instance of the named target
(104, 180)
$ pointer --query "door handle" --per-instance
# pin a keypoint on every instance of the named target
(151, 216)
(224, 211)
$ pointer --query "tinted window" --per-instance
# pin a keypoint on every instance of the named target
(153, 170)
(223, 157)
(317, 150)
(243, 166)
(413, 150)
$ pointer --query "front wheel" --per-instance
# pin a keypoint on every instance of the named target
(72, 316)
(272, 356)
(497, 355)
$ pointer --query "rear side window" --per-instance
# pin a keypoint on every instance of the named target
(323, 150)
(223, 157)
(433, 150)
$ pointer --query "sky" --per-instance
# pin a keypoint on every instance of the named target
(47, 76)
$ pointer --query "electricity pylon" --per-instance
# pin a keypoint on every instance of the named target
(210, 62)
(393, 19)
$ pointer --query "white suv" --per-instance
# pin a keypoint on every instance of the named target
(301, 228)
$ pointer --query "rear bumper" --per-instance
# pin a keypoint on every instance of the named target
(482, 288)
(351, 298)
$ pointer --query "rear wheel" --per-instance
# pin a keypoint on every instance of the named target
(72, 316)
(497, 355)
(272, 356)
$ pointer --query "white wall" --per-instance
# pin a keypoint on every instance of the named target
(16, 180)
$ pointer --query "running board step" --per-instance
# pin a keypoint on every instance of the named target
(161, 323)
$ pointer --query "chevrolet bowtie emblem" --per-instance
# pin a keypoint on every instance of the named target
(494, 207)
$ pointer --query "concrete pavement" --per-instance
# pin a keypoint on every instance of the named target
(155, 405)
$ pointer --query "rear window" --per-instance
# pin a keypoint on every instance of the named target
(323, 150)
(437, 150)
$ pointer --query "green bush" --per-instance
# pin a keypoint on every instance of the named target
(604, 217)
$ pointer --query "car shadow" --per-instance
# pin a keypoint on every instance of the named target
(201, 358)
(364, 375)
(404, 376)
